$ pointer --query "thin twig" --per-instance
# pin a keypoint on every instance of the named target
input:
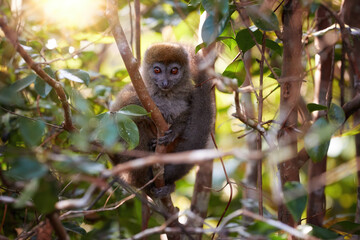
(137, 30)
(346, 37)
(229, 183)
(251, 123)
(342, 74)
(76, 52)
(4, 217)
(256, 43)
(32, 119)
(260, 116)
(131, 25)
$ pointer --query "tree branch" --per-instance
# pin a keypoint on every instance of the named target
(57, 226)
(346, 37)
(132, 66)
(186, 157)
(12, 36)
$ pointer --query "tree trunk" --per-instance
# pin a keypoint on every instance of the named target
(350, 14)
(290, 91)
(323, 78)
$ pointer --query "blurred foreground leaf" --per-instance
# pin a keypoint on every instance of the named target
(317, 140)
(31, 131)
(295, 199)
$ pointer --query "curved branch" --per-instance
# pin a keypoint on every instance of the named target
(12, 36)
(132, 67)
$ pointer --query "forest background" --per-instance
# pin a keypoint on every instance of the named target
(286, 83)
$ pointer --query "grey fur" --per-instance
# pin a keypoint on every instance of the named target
(188, 109)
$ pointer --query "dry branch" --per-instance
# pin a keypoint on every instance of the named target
(187, 157)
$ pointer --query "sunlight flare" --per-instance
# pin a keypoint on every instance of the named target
(69, 13)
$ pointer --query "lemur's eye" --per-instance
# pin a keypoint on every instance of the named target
(157, 70)
(174, 70)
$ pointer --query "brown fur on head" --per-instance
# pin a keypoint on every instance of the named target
(166, 53)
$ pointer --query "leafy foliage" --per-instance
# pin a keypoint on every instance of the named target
(315, 107)
(263, 18)
(44, 167)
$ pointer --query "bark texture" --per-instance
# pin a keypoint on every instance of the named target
(290, 82)
(350, 14)
(323, 79)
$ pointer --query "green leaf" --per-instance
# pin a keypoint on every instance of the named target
(209, 30)
(127, 130)
(46, 195)
(278, 236)
(81, 139)
(27, 194)
(133, 110)
(322, 233)
(277, 71)
(102, 91)
(80, 102)
(41, 87)
(265, 19)
(10, 97)
(107, 131)
(317, 140)
(200, 46)
(121, 74)
(228, 37)
(75, 75)
(274, 46)
(73, 227)
(26, 168)
(194, 3)
(31, 131)
(245, 41)
(235, 70)
(223, 5)
(80, 164)
(295, 199)
(113, 125)
(347, 227)
(315, 107)
(22, 83)
(36, 45)
(314, 6)
(101, 115)
(229, 42)
(212, 28)
(336, 115)
(261, 228)
(352, 132)
(215, 5)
